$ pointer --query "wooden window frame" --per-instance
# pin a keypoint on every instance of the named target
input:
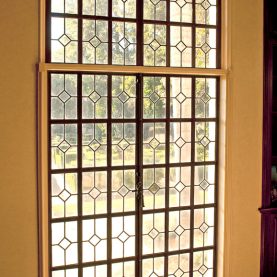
(44, 68)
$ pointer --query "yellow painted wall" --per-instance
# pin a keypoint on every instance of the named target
(18, 218)
(244, 140)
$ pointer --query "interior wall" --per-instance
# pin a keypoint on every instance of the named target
(18, 205)
(244, 140)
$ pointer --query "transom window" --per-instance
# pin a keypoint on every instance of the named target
(178, 33)
(132, 153)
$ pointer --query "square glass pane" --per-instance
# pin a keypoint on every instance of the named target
(94, 240)
(203, 234)
(181, 11)
(154, 45)
(179, 186)
(154, 97)
(64, 243)
(205, 97)
(180, 46)
(206, 12)
(64, 40)
(205, 48)
(126, 269)
(153, 267)
(123, 144)
(124, 39)
(205, 133)
(64, 200)
(94, 191)
(204, 184)
(179, 230)
(123, 186)
(180, 97)
(178, 265)
(64, 6)
(123, 97)
(203, 263)
(153, 238)
(154, 10)
(95, 271)
(154, 143)
(94, 141)
(180, 142)
(63, 146)
(63, 96)
(95, 41)
(123, 236)
(154, 188)
(124, 8)
(94, 96)
(95, 7)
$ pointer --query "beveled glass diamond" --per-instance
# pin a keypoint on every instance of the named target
(204, 227)
(95, 41)
(123, 144)
(181, 3)
(155, 2)
(64, 40)
(94, 240)
(153, 275)
(181, 97)
(123, 97)
(124, 43)
(180, 186)
(123, 236)
(154, 188)
(64, 243)
(206, 97)
(205, 141)
(154, 143)
(123, 191)
(94, 96)
(64, 146)
(64, 96)
(206, 48)
(94, 145)
(154, 97)
(64, 195)
(203, 269)
(153, 233)
(155, 45)
(181, 46)
(205, 4)
(180, 142)
(204, 184)
(94, 193)
(179, 230)
(179, 272)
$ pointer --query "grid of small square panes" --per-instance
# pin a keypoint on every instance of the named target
(109, 131)
(176, 33)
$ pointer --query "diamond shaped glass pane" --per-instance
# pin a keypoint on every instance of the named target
(154, 188)
(204, 227)
(153, 233)
(64, 195)
(94, 96)
(64, 40)
(64, 243)
(64, 96)
(64, 146)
